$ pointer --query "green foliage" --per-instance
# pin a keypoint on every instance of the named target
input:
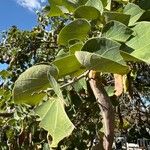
(67, 65)
(135, 11)
(60, 7)
(75, 47)
(87, 12)
(96, 4)
(28, 86)
(55, 87)
(55, 120)
(102, 55)
(116, 31)
(101, 35)
(140, 42)
(76, 30)
(91, 10)
(121, 17)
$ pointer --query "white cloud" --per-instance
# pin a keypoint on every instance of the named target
(31, 4)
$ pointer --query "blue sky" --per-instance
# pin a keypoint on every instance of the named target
(20, 13)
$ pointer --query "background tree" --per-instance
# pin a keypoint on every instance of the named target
(97, 51)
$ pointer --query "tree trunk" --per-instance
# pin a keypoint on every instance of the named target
(106, 109)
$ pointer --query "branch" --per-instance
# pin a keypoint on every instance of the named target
(106, 109)
(74, 80)
(6, 115)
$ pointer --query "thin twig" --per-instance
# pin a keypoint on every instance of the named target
(74, 80)
(64, 85)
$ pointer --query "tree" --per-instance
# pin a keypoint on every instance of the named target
(86, 68)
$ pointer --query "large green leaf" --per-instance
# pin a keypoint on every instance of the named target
(140, 43)
(100, 45)
(55, 120)
(61, 54)
(75, 47)
(87, 12)
(102, 55)
(59, 7)
(125, 53)
(116, 31)
(32, 81)
(70, 5)
(91, 10)
(95, 4)
(99, 63)
(56, 87)
(135, 11)
(123, 18)
(77, 29)
(67, 65)
(56, 10)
